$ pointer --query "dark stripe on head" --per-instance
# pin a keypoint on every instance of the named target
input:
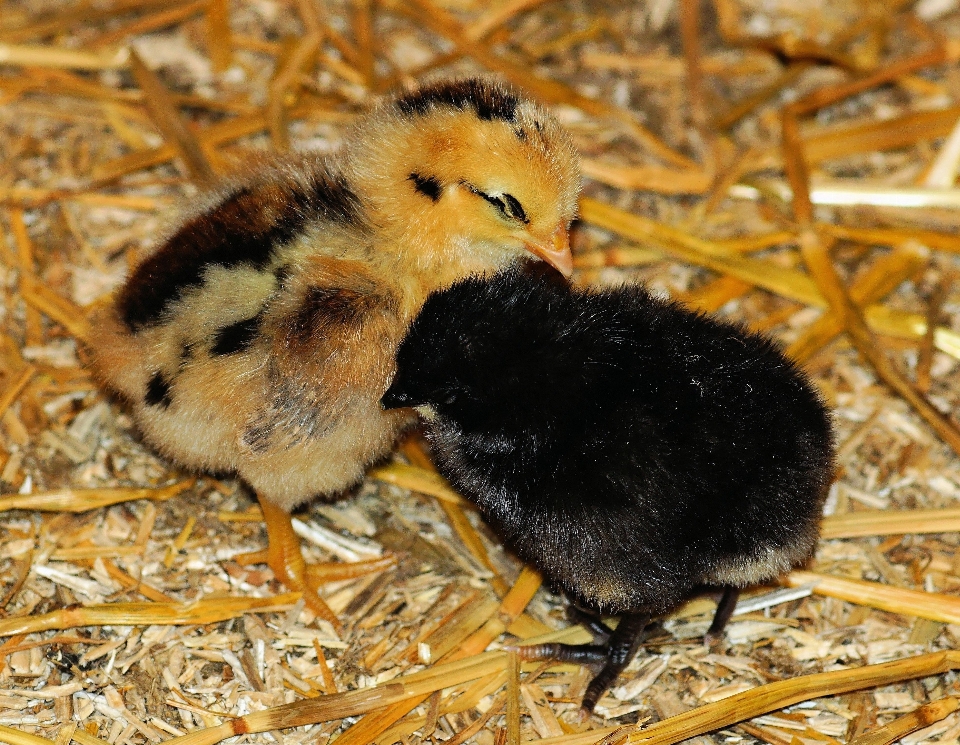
(488, 100)
(245, 229)
(429, 186)
(237, 337)
(158, 391)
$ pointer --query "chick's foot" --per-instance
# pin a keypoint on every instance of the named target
(614, 656)
(284, 557)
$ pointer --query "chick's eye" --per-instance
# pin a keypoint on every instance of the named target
(512, 208)
(508, 204)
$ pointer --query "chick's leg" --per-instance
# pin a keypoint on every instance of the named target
(624, 642)
(615, 655)
(724, 610)
(286, 560)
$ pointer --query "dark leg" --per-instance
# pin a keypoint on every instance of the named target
(590, 620)
(724, 610)
(624, 643)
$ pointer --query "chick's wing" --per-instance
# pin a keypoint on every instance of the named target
(334, 330)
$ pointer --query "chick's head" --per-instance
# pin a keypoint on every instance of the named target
(467, 176)
(492, 358)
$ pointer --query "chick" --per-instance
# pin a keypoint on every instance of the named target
(260, 335)
(632, 450)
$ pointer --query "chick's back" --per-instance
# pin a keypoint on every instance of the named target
(628, 447)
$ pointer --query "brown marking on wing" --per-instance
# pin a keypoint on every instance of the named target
(335, 335)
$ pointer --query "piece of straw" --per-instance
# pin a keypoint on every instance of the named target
(16, 737)
(146, 614)
(510, 608)
(161, 18)
(72, 59)
(419, 480)
(917, 719)
(890, 522)
(648, 178)
(163, 112)
(816, 256)
(764, 699)
(218, 34)
(881, 278)
(15, 388)
(930, 605)
(513, 698)
(287, 77)
(81, 500)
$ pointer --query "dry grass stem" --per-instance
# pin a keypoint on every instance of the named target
(899, 522)
(892, 236)
(882, 278)
(499, 15)
(15, 388)
(82, 500)
(218, 34)
(649, 178)
(146, 614)
(933, 606)
(922, 717)
(42, 56)
(16, 737)
(34, 197)
(163, 112)
(63, 20)
(211, 137)
(773, 696)
(418, 479)
(152, 21)
(287, 77)
(789, 283)
(817, 259)
(513, 698)
(826, 96)
(41, 298)
(462, 647)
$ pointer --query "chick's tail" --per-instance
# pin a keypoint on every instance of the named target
(116, 354)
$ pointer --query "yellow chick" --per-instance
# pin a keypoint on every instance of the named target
(260, 335)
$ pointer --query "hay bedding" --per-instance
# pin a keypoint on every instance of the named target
(126, 618)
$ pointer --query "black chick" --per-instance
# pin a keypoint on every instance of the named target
(633, 450)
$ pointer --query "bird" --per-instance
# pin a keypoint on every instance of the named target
(634, 451)
(259, 336)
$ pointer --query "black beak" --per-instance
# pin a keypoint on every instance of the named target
(395, 398)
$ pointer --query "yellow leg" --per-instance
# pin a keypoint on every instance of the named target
(286, 560)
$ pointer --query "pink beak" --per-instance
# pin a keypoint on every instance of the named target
(557, 252)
